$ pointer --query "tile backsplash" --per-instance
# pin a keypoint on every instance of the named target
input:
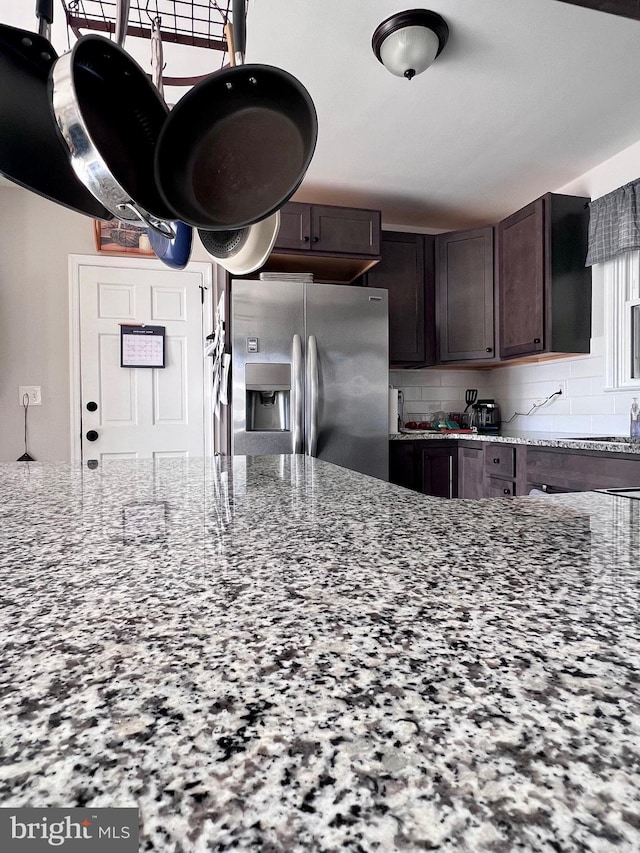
(584, 408)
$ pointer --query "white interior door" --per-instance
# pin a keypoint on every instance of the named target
(142, 412)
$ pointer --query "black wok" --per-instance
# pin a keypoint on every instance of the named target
(236, 147)
(32, 154)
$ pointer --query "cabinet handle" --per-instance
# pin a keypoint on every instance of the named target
(451, 476)
(305, 239)
(506, 491)
(315, 239)
(536, 340)
(489, 349)
(496, 461)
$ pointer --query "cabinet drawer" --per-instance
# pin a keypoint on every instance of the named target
(562, 470)
(499, 460)
(497, 488)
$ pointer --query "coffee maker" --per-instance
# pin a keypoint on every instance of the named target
(485, 416)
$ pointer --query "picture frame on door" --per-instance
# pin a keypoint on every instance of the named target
(121, 238)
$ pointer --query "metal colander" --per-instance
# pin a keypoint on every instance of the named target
(223, 244)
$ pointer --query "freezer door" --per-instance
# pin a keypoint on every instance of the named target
(267, 331)
(351, 412)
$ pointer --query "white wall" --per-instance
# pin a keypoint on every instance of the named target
(36, 238)
(586, 408)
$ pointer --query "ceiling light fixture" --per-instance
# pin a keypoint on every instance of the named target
(408, 42)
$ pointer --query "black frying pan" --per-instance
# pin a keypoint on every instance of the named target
(32, 153)
(236, 147)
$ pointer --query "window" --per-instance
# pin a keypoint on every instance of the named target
(622, 321)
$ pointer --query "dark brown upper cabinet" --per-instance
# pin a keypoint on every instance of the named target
(334, 243)
(325, 228)
(465, 296)
(543, 285)
(406, 270)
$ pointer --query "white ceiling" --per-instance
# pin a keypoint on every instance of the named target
(526, 96)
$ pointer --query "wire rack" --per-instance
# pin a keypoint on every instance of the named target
(195, 23)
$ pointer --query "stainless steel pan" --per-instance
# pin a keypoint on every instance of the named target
(110, 116)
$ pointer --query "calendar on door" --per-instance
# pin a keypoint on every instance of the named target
(142, 346)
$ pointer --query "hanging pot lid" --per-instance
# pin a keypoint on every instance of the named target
(244, 250)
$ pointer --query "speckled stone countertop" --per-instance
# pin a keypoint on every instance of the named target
(610, 444)
(288, 656)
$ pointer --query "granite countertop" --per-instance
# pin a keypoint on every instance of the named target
(611, 444)
(283, 655)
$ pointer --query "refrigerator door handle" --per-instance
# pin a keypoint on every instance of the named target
(297, 403)
(312, 395)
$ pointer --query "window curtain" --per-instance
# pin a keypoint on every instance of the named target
(614, 224)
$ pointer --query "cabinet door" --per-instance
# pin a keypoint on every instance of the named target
(471, 471)
(403, 465)
(345, 230)
(521, 281)
(465, 295)
(440, 471)
(295, 227)
(406, 271)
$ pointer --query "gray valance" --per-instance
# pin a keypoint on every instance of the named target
(614, 224)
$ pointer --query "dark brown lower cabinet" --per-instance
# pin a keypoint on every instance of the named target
(498, 488)
(500, 470)
(474, 469)
(471, 470)
(424, 466)
(555, 470)
(439, 467)
(403, 467)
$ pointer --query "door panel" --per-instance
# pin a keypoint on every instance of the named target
(342, 229)
(141, 412)
(270, 313)
(351, 328)
(465, 295)
(295, 227)
(521, 281)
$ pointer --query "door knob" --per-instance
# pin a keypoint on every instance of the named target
(91, 406)
(92, 435)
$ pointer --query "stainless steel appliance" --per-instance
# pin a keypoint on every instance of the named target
(310, 366)
(486, 416)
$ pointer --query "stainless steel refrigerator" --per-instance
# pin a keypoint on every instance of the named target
(310, 374)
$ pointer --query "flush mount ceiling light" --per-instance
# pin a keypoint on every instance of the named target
(408, 42)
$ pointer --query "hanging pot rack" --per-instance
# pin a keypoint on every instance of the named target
(194, 23)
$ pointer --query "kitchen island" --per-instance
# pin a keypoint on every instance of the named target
(278, 654)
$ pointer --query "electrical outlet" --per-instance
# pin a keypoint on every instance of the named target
(32, 392)
(562, 387)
